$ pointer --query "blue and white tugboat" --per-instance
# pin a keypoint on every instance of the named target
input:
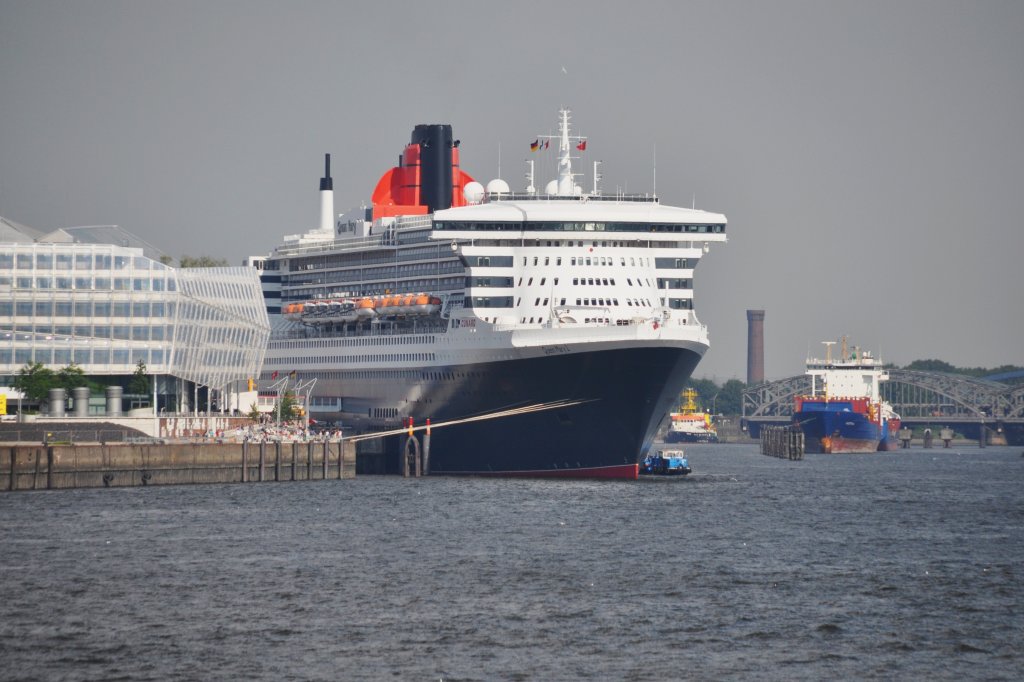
(666, 463)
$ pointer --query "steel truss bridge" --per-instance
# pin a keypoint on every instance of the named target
(963, 403)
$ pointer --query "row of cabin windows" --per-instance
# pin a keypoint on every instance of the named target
(606, 261)
(638, 302)
(531, 226)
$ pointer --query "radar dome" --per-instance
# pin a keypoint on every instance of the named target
(474, 192)
(551, 187)
(497, 186)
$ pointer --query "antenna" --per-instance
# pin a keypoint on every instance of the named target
(828, 351)
(597, 176)
(655, 169)
(499, 159)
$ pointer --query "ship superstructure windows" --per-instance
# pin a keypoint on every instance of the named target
(553, 226)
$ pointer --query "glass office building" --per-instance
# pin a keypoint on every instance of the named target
(106, 307)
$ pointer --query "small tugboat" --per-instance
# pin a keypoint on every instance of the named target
(666, 463)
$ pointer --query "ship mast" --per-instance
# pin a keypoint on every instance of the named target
(565, 183)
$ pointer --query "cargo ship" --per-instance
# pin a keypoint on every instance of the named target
(689, 424)
(843, 412)
(546, 331)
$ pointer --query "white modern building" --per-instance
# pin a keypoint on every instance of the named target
(100, 298)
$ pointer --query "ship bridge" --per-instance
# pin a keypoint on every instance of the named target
(929, 399)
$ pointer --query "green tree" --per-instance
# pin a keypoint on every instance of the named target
(730, 398)
(201, 262)
(289, 406)
(254, 412)
(932, 366)
(35, 381)
(166, 260)
(139, 384)
(71, 377)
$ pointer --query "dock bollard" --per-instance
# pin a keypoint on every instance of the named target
(263, 462)
(326, 449)
(245, 461)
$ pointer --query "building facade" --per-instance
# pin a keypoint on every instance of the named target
(106, 308)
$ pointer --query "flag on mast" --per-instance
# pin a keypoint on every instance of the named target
(535, 145)
(582, 146)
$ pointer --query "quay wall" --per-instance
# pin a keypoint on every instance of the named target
(50, 467)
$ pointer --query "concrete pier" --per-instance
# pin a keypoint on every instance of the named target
(48, 467)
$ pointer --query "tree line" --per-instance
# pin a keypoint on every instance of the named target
(35, 380)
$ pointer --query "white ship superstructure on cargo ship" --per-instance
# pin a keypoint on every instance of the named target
(447, 299)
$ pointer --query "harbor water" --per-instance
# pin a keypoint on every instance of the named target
(900, 565)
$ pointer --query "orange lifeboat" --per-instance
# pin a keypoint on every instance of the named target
(406, 304)
(425, 304)
(365, 308)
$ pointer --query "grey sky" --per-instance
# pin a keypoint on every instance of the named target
(869, 155)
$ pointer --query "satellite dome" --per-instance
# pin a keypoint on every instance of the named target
(474, 192)
(497, 186)
(551, 187)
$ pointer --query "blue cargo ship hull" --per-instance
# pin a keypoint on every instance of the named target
(834, 427)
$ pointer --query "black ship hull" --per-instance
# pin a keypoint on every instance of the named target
(622, 395)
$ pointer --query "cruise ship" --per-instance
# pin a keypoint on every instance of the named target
(549, 330)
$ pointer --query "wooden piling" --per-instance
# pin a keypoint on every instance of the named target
(784, 442)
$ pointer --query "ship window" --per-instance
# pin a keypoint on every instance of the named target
(542, 280)
(547, 260)
(575, 281)
(604, 282)
(529, 282)
(558, 261)
(562, 302)
(588, 261)
(578, 301)
(535, 260)
(536, 302)
(545, 301)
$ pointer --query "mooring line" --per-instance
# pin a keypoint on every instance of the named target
(527, 409)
